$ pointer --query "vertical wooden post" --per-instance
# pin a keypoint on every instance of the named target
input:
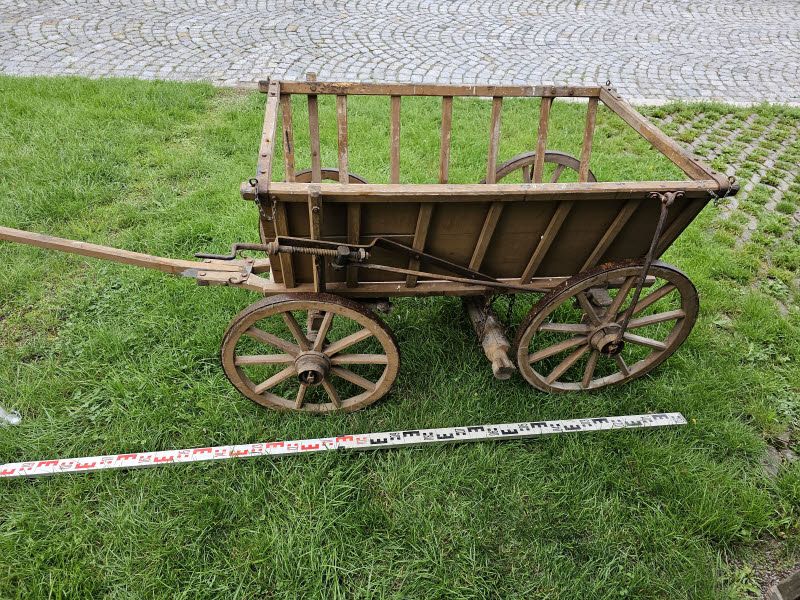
(395, 141)
(541, 143)
(588, 137)
(341, 119)
(313, 131)
(494, 140)
(444, 144)
(288, 137)
(315, 229)
(353, 208)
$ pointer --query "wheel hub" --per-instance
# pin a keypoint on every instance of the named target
(312, 367)
(604, 339)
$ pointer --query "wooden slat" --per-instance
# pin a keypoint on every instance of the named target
(444, 140)
(498, 192)
(494, 140)
(588, 138)
(420, 235)
(487, 231)
(266, 150)
(417, 89)
(546, 241)
(282, 228)
(288, 137)
(313, 133)
(541, 138)
(625, 213)
(395, 140)
(660, 141)
(353, 237)
(315, 230)
(341, 119)
(376, 289)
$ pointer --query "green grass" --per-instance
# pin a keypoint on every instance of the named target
(102, 358)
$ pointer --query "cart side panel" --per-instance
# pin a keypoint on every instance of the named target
(592, 232)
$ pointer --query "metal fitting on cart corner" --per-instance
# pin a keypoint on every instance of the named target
(666, 198)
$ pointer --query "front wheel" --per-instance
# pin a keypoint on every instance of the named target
(310, 353)
(567, 342)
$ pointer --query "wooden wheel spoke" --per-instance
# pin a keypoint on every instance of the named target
(324, 327)
(354, 378)
(653, 297)
(575, 328)
(273, 340)
(346, 342)
(556, 348)
(565, 364)
(557, 174)
(622, 294)
(263, 359)
(275, 380)
(526, 174)
(292, 349)
(332, 393)
(301, 396)
(360, 359)
(623, 366)
(587, 308)
(669, 315)
(644, 341)
(588, 372)
(294, 327)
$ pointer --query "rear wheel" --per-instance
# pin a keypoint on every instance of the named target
(556, 165)
(567, 340)
(342, 359)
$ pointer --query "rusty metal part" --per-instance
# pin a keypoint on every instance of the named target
(666, 200)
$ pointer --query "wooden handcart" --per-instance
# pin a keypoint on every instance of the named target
(336, 247)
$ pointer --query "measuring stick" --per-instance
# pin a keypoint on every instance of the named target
(362, 441)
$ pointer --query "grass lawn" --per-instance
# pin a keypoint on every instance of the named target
(102, 358)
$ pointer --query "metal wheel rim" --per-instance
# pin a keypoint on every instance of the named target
(277, 305)
(526, 159)
(580, 283)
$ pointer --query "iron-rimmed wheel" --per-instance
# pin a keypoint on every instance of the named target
(567, 341)
(524, 162)
(343, 360)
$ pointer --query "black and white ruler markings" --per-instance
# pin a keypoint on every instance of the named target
(363, 441)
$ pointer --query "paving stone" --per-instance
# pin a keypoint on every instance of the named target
(726, 50)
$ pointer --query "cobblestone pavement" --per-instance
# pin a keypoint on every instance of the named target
(762, 149)
(654, 50)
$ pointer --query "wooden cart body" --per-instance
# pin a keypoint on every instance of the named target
(532, 234)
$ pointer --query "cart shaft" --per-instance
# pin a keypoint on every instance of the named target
(174, 266)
